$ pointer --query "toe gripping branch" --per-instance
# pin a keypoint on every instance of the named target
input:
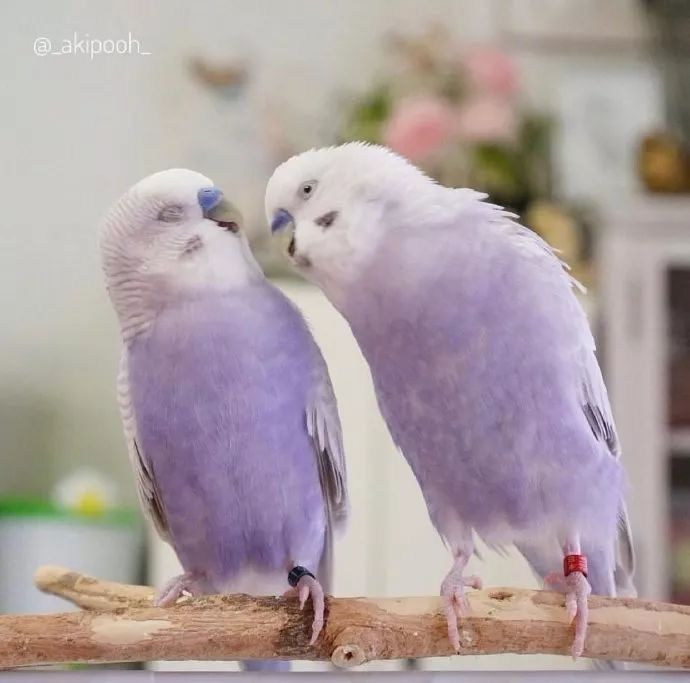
(296, 573)
(571, 563)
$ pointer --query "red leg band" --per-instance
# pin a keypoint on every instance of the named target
(575, 563)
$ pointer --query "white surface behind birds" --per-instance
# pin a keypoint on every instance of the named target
(108, 551)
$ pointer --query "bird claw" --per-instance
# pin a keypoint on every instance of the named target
(175, 588)
(305, 587)
(455, 602)
(576, 589)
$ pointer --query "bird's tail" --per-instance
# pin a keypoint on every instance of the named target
(265, 665)
(625, 557)
(603, 582)
(610, 571)
(620, 583)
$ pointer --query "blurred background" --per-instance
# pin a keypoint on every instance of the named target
(575, 113)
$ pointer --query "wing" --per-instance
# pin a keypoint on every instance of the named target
(595, 403)
(559, 284)
(323, 426)
(594, 398)
(143, 474)
(597, 410)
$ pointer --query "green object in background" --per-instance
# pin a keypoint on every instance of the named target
(79, 531)
(681, 562)
(366, 122)
(27, 507)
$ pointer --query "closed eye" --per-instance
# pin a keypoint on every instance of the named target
(327, 219)
(171, 214)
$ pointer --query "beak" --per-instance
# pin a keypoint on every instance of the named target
(225, 215)
(281, 220)
(283, 224)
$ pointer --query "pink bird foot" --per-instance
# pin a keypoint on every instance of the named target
(304, 584)
(189, 582)
(455, 603)
(576, 589)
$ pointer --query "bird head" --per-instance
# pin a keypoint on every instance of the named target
(172, 233)
(333, 206)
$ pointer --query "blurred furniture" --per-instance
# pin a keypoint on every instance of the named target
(645, 271)
(670, 23)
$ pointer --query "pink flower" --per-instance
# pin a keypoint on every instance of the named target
(491, 71)
(485, 118)
(419, 127)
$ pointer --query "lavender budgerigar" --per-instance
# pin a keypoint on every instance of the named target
(228, 410)
(482, 360)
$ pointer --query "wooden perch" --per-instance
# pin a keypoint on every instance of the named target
(121, 625)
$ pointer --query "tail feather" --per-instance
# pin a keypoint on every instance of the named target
(324, 572)
(625, 557)
(610, 571)
(265, 665)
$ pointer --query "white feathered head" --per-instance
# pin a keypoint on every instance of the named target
(171, 234)
(335, 204)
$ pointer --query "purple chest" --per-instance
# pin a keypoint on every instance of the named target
(219, 388)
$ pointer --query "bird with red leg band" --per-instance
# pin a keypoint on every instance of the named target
(574, 585)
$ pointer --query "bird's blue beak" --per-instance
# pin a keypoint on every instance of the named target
(218, 209)
(281, 219)
(209, 197)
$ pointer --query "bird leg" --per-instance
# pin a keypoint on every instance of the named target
(304, 584)
(189, 582)
(455, 601)
(573, 583)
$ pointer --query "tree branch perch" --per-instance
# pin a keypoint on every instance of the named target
(120, 624)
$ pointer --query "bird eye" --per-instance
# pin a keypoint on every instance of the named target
(307, 189)
(171, 214)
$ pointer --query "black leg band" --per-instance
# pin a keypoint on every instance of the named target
(296, 573)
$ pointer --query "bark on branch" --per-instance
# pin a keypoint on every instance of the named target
(121, 625)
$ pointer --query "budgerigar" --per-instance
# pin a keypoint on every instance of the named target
(482, 360)
(229, 415)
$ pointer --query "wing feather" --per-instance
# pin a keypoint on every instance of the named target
(143, 473)
(593, 396)
(323, 426)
